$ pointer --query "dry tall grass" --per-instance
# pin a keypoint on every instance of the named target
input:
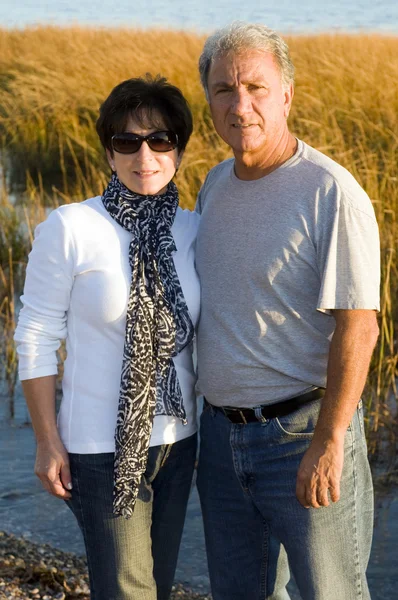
(52, 82)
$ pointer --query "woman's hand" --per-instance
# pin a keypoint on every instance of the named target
(52, 460)
(52, 468)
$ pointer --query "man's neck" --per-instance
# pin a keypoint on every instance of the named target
(250, 165)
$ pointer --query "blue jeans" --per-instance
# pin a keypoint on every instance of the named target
(133, 559)
(246, 482)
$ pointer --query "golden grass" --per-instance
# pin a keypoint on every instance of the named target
(53, 80)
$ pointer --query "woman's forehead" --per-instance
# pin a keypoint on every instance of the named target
(146, 118)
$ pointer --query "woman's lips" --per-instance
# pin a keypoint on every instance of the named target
(145, 173)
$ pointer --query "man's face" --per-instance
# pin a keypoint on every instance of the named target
(248, 102)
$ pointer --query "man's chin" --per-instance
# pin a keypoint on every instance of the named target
(244, 143)
(245, 147)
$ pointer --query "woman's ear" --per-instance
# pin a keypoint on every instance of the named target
(111, 162)
(179, 159)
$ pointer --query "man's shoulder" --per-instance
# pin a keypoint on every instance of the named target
(317, 160)
(333, 177)
(219, 171)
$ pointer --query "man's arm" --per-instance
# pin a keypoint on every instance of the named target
(351, 349)
(52, 461)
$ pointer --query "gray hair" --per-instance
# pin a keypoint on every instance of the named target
(238, 37)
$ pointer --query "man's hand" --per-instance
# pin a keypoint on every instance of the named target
(351, 348)
(320, 472)
(52, 468)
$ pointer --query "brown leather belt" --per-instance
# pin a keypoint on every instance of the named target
(279, 409)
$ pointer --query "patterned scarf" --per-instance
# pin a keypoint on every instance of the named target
(158, 327)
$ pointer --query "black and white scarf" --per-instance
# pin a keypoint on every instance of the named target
(158, 327)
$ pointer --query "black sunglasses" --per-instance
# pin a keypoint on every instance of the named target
(158, 141)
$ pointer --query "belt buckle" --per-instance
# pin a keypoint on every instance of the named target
(242, 416)
(226, 413)
(229, 412)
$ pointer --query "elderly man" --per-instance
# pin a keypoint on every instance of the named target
(288, 257)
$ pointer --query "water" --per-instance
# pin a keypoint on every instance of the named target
(286, 16)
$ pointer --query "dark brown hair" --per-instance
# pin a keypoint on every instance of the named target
(147, 100)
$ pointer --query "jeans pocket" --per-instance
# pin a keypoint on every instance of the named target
(357, 420)
(166, 455)
(301, 422)
(157, 455)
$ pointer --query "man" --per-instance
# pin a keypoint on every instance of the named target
(288, 257)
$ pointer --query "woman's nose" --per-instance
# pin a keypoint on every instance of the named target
(145, 153)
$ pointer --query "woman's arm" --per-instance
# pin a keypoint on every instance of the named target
(42, 323)
(52, 461)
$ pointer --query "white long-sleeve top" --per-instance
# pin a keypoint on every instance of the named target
(77, 288)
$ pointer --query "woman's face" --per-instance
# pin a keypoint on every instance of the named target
(145, 172)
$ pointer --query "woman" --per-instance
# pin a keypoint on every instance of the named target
(115, 277)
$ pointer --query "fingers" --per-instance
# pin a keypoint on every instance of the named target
(54, 485)
(319, 475)
(323, 497)
(66, 478)
(335, 492)
(316, 495)
(310, 496)
(307, 487)
(313, 488)
(55, 477)
(301, 492)
(57, 489)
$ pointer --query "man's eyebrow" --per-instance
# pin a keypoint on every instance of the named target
(222, 84)
(229, 84)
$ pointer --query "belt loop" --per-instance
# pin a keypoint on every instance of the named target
(259, 415)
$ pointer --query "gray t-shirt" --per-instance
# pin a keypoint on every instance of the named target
(274, 256)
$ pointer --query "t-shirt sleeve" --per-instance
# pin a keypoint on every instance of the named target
(199, 201)
(46, 297)
(348, 254)
(212, 177)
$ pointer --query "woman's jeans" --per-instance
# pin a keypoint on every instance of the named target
(246, 481)
(133, 559)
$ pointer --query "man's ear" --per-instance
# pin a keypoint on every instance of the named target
(288, 97)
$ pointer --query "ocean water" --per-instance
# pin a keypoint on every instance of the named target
(286, 16)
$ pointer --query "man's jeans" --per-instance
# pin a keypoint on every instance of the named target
(133, 559)
(246, 481)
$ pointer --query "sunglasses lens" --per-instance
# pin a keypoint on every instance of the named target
(125, 143)
(162, 141)
(159, 141)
